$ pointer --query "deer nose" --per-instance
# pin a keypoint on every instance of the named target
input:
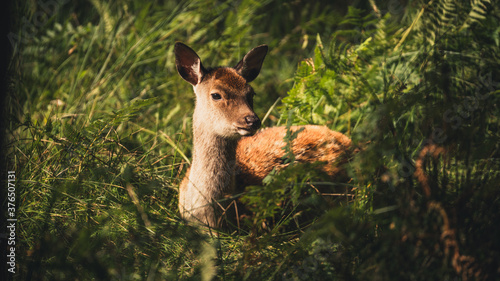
(253, 121)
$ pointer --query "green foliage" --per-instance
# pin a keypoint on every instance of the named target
(100, 137)
(420, 103)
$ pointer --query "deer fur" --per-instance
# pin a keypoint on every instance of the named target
(226, 151)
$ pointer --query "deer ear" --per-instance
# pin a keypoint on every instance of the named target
(188, 64)
(249, 66)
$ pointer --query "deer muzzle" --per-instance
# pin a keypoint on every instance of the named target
(249, 125)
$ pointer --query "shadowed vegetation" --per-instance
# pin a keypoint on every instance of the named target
(99, 135)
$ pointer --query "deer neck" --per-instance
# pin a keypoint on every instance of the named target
(214, 163)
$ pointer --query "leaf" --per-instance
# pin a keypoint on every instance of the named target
(409, 29)
(476, 14)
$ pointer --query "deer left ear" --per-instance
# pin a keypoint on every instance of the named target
(249, 66)
(188, 64)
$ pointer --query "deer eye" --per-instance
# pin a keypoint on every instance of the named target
(216, 96)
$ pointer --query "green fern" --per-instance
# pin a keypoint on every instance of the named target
(477, 13)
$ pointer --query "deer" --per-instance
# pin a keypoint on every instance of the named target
(229, 153)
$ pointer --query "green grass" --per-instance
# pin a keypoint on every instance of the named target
(100, 138)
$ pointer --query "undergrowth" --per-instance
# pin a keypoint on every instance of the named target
(100, 138)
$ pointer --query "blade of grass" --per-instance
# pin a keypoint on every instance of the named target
(166, 138)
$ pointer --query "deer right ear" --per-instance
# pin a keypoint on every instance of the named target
(249, 66)
(188, 64)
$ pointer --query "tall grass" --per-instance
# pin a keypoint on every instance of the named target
(100, 137)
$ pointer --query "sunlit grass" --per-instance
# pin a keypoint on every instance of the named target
(100, 138)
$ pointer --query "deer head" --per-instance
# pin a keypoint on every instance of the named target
(224, 99)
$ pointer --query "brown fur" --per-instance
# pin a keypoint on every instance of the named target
(258, 155)
(228, 77)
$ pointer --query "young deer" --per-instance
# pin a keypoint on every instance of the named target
(224, 114)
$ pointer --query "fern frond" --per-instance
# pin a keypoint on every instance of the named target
(476, 14)
(410, 28)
